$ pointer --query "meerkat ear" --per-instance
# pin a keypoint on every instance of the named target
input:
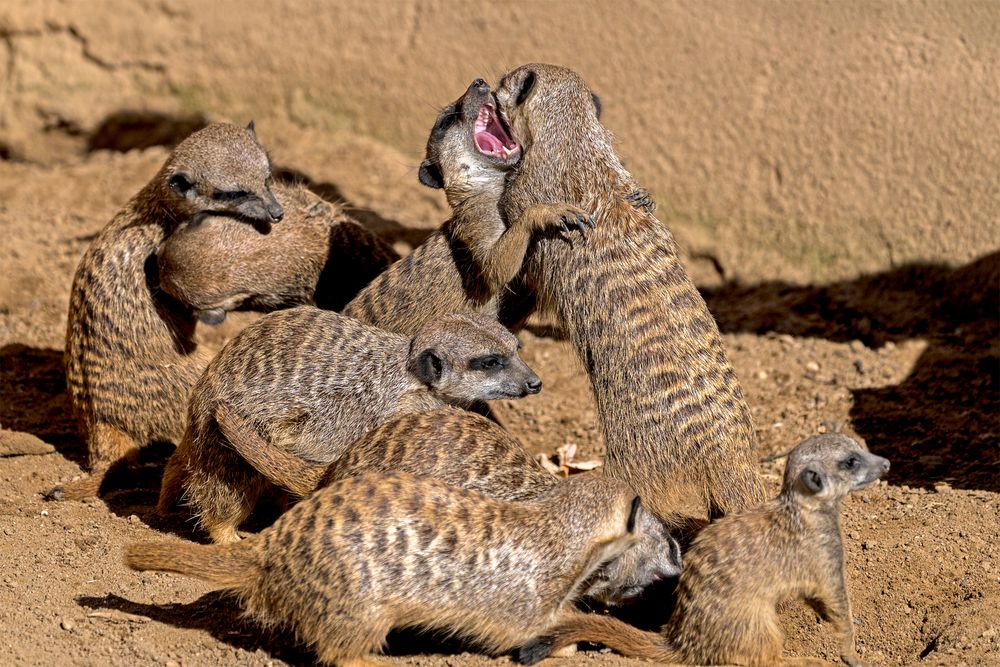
(182, 185)
(526, 86)
(251, 130)
(633, 514)
(430, 175)
(597, 105)
(428, 366)
(814, 480)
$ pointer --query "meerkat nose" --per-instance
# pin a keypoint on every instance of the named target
(480, 84)
(534, 385)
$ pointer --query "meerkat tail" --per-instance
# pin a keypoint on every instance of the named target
(280, 467)
(79, 489)
(229, 565)
(616, 635)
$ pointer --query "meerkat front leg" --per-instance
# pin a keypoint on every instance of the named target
(834, 606)
(501, 261)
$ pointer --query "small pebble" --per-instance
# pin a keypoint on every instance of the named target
(45, 512)
(66, 624)
(762, 375)
(133, 518)
(812, 366)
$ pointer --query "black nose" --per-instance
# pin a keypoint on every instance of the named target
(481, 85)
(533, 385)
(276, 212)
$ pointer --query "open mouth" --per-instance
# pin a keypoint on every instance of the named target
(492, 136)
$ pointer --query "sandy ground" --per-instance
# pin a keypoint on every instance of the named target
(830, 169)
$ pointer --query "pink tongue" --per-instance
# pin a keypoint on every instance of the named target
(487, 142)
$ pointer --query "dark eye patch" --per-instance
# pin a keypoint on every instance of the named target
(489, 362)
(449, 116)
(850, 463)
(230, 195)
(526, 86)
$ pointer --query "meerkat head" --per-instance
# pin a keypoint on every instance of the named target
(551, 103)
(655, 556)
(825, 468)
(469, 357)
(471, 145)
(221, 170)
(615, 523)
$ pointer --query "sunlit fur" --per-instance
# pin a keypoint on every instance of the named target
(130, 357)
(389, 550)
(469, 262)
(313, 381)
(462, 449)
(739, 568)
(670, 405)
(316, 255)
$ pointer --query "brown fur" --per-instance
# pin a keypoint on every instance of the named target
(464, 450)
(383, 551)
(313, 381)
(317, 255)
(740, 567)
(470, 261)
(671, 406)
(130, 357)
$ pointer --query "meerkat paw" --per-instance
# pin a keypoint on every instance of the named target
(640, 199)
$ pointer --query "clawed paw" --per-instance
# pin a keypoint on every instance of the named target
(576, 219)
(640, 199)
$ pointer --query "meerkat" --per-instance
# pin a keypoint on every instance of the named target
(739, 568)
(671, 407)
(470, 261)
(392, 550)
(130, 356)
(317, 256)
(313, 381)
(465, 450)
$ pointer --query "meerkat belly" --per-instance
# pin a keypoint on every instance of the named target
(668, 398)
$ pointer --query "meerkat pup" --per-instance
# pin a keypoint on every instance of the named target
(312, 382)
(465, 450)
(317, 256)
(468, 262)
(739, 568)
(670, 405)
(393, 550)
(130, 356)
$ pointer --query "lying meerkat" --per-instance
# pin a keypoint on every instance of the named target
(313, 381)
(465, 450)
(130, 357)
(317, 255)
(391, 550)
(670, 404)
(739, 568)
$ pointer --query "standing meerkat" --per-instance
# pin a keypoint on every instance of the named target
(464, 450)
(313, 381)
(383, 551)
(130, 356)
(670, 405)
(468, 263)
(739, 568)
(318, 255)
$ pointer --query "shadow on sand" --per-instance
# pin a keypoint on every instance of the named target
(941, 424)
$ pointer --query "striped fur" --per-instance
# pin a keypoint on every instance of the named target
(671, 406)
